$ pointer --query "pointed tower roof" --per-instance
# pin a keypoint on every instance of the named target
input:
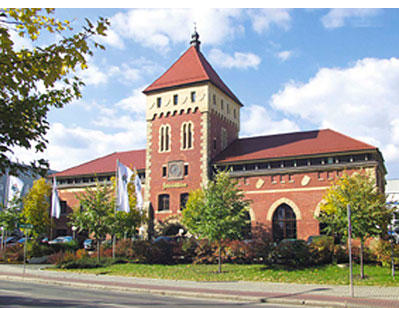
(190, 68)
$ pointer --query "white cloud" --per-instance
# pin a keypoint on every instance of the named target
(135, 103)
(239, 60)
(71, 146)
(256, 121)
(284, 55)
(338, 17)
(262, 19)
(158, 28)
(360, 101)
(93, 75)
(112, 39)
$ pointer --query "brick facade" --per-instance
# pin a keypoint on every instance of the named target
(287, 170)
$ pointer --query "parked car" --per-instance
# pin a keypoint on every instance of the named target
(10, 240)
(60, 240)
(88, 244)
(166, 239)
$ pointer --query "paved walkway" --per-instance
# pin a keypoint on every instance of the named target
(303, 294)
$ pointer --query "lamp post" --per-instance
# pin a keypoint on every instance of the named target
(2, 237)
(74, 228)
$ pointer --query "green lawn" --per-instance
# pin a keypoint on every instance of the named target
(329, 274)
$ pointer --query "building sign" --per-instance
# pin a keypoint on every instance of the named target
(174, 185)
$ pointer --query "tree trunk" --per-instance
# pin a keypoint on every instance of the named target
(98, 250)
(361, 258)
(220, 258)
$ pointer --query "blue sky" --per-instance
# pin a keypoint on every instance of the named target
(293, 69)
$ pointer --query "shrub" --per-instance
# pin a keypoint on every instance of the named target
(12, 254)
(37, 249)
(124, 248)
(291, 253)
(261, 250)
(61, 257)
(238, 252)
(205, 252)
(382, 250)
(322, 250)
(188, 247)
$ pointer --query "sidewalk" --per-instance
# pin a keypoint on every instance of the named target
(285, 293)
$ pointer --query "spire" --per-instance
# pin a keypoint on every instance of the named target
(194, 39)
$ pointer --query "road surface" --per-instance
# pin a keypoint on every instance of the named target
(25, 294)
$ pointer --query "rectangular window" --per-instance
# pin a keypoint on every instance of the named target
(164, 173)
(221, 105)
(185, 170)
(193, 96)
(235, 113)
(183, 200)
(159, 101)
(214, 143)
(214, 99)
(175, 99)
(228, 108)
(163, 202)
(63, 206)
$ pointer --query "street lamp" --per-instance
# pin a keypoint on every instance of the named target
(2, 236)
(74, 228)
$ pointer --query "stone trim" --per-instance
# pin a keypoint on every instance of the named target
(288, 190)
(277, 203)
(205, 147)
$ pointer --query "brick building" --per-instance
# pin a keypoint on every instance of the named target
(193, 123)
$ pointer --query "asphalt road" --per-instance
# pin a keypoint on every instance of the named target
(14, 294)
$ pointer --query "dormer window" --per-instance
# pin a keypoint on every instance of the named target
(159, 101)
(175, 99)
(193, 96)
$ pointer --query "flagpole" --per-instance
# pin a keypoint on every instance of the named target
(116, 205)
(6, 190)
(350, 251)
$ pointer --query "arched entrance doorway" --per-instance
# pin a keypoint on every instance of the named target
(284, 223)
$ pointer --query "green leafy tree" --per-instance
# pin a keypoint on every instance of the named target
(36, 205)
(369, 212)
(217, 212)
(32, 81)
(96, 208)
(10, 216)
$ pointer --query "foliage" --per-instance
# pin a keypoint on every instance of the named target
(36, 207)
(382, 250)
(322, 250)
(217, 212)
(95, 213)
(292, 254)
(10, 216)
(12, 254)
(369, 212)
(33, 81)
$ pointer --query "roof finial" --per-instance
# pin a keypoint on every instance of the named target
(194, 38)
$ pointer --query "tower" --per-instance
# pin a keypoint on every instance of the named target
(191, 117)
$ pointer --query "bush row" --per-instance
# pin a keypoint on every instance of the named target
(290, 253)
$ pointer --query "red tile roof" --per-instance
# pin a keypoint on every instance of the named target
(191, 67)
(289, 145)
(107, 164)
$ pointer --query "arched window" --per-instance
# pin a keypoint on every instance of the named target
(187, 135)
(284, 223)
(164, 138)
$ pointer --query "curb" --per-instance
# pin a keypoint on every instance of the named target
(260, 297)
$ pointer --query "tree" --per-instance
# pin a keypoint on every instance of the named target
(34, 80)
(36, 205)
(217, 212)
(10, 216)
(96, 208)
(369, 212)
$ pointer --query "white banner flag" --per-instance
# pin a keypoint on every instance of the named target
(124, 175)
(55, 201)
(139, 197)
(15, 186)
